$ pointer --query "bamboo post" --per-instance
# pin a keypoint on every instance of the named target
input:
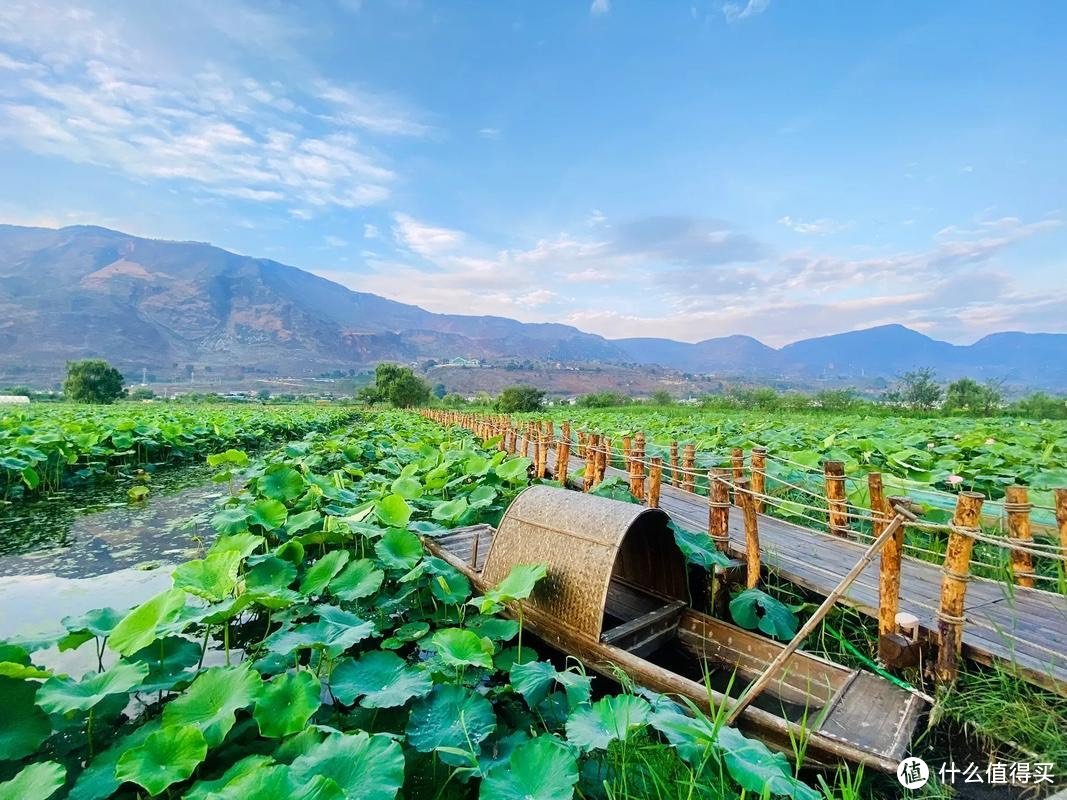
(757, 686)
(834, 472)
(1017, 505)
(542, 452)
(743, 495)
(888, 566)
(563, 458)
(737, 461)
(674, 463)
(655, 476)
(955, 575)
(627, 446)
(719, 531)
(637, 460)
(590, 462)
(1061, 518)
(759, 475)
(689, 458)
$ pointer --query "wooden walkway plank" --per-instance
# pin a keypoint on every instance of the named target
(1017, 626)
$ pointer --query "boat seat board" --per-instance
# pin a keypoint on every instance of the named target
(461, 543)
(873, 714)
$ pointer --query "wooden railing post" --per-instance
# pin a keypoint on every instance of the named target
(834, 472)
(1017, 505)
(563, 458)
(689, 460)
(737, 461)
(674, 463)
(759, 476)
(655, 477)
(590, 461)
(743, 494)
(637, 472)
(888, 567)
(603, 459)
(541, 451)
(719, 531)
(956, 574)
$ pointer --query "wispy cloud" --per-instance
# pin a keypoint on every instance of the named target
(82, 85)
(815, 227)
(489, 133)
(735, 12)
(600, 7)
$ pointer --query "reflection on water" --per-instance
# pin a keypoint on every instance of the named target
(83, 534)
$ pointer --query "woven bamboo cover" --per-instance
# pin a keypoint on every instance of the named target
(584, 539)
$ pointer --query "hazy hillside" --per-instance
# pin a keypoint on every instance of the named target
(163, 306)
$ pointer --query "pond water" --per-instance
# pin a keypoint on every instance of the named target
(79, 550)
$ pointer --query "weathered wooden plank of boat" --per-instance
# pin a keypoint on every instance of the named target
(867, 715)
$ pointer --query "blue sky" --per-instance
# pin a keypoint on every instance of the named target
(775, 168)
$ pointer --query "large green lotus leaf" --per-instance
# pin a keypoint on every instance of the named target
(286, 703)
(141, 626)
(754, 608)
(407, 487)
(25, 726)
(167, 756)
(303, 521)
(533, 680)
(168, 660)
(482, 496)
(281, 482)
(459, 647)
(541, 769)
(393, 510)
(322, 571)
(450, 586)
(269, 574)
(35, 782)
(62, 695)
(450, 510)
(98, 780)
(268, 513)
(698, 549)
(358, 580)
(231, 520)
(364, 766)
(292, 551)
(212, 701)
(201, 790)
(12, 669)
(273, 782)
(452, 717)
(514, 470)
(334, 632)
(497, 629)
(758, 770)
(595, 727)
(690, 735)
(383, 680)
(398, 549)
(243, 543)
(518, 584)
(98, 622)
(212, 577)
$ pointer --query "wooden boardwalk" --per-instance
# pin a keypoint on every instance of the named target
(1007, 624)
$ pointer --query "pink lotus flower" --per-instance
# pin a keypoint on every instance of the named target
(955, 479)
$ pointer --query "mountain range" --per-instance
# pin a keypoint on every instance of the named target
(167, 307)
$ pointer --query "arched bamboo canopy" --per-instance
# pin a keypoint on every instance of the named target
(586, 541)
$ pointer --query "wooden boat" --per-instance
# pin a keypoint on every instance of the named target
(615, 597)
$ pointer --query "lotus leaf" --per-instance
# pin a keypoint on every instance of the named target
(393, 510)
(167, 756)
(35, 782)
(398, 549)
(281, 482)
(322, 572)
(358, 580)
(140, 626)
(212, 578)
(269, 514)
(364, 766)
(406, 487)
(461, 647)
(540, 769)
(62, 695)
(25, 725)
(595, 726)
(450, 716)
(286, 703)
(382, 679)
(212, 701)
(754, 608)
(451, 510)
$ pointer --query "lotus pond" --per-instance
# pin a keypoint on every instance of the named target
(307, 646)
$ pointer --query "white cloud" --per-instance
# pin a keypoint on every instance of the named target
(596, 217)
(426, 240)
(489, 133)
(600, 7)
(110, 89)
(735, 11)
(335, 241)
(815, 227)
(370, 231)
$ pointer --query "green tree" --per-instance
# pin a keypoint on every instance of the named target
(835, 399)
(603, 400)
(263, 395)
(439, 391)
(917, 389)
(972, 397)
(661, 397)
(93, 381)
(396, 385)
(141, 393)
(1040, 406)
(520, 398)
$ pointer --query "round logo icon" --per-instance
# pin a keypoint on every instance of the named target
(913, 773)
